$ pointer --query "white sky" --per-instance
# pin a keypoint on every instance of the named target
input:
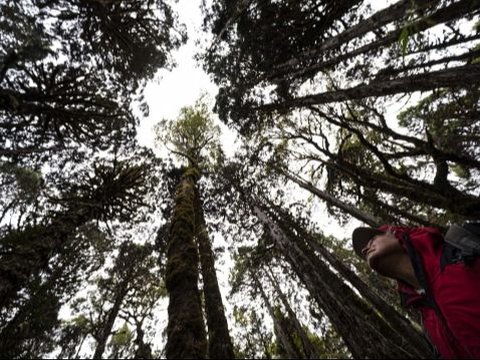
(182, 86)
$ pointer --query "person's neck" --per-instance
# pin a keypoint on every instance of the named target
(403, 269)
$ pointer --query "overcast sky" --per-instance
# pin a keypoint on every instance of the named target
(184, 84)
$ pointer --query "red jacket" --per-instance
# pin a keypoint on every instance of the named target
(450, 305)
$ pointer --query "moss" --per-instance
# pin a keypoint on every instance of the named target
(186, 329)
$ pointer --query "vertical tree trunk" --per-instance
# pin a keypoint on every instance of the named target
(308, 347)
(186, 337)
(219, 341)
(144, 350)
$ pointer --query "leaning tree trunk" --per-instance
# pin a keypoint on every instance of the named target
(219, 341)
(186, 337)
(398, 322)
(106, 328)
(364, 332)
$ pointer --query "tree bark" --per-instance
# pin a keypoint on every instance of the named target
(186, 336)
(219, 341)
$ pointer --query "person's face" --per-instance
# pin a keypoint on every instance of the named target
(379, 248)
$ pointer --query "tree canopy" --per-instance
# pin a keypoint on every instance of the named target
(345, 112)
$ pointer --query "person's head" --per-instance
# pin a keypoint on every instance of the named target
(378, 248)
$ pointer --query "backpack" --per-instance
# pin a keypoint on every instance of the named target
(464, 240)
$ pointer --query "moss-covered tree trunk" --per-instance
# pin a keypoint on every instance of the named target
(186, 336)
(219, 341)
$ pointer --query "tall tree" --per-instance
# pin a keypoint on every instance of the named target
(194, 138)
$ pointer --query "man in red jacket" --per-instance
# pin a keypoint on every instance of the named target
(432, 277)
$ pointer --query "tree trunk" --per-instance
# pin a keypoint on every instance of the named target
(144, 350)
(106, 328)
(309, 348)
(398, 323)
(219, 341)
(349, 209)
(186, 337)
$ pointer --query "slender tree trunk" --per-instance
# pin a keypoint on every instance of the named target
(186, 337)
(282, 335)
(349, 209)
(144, 350)
(219, 341)
(107, 327)
(309, 348)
